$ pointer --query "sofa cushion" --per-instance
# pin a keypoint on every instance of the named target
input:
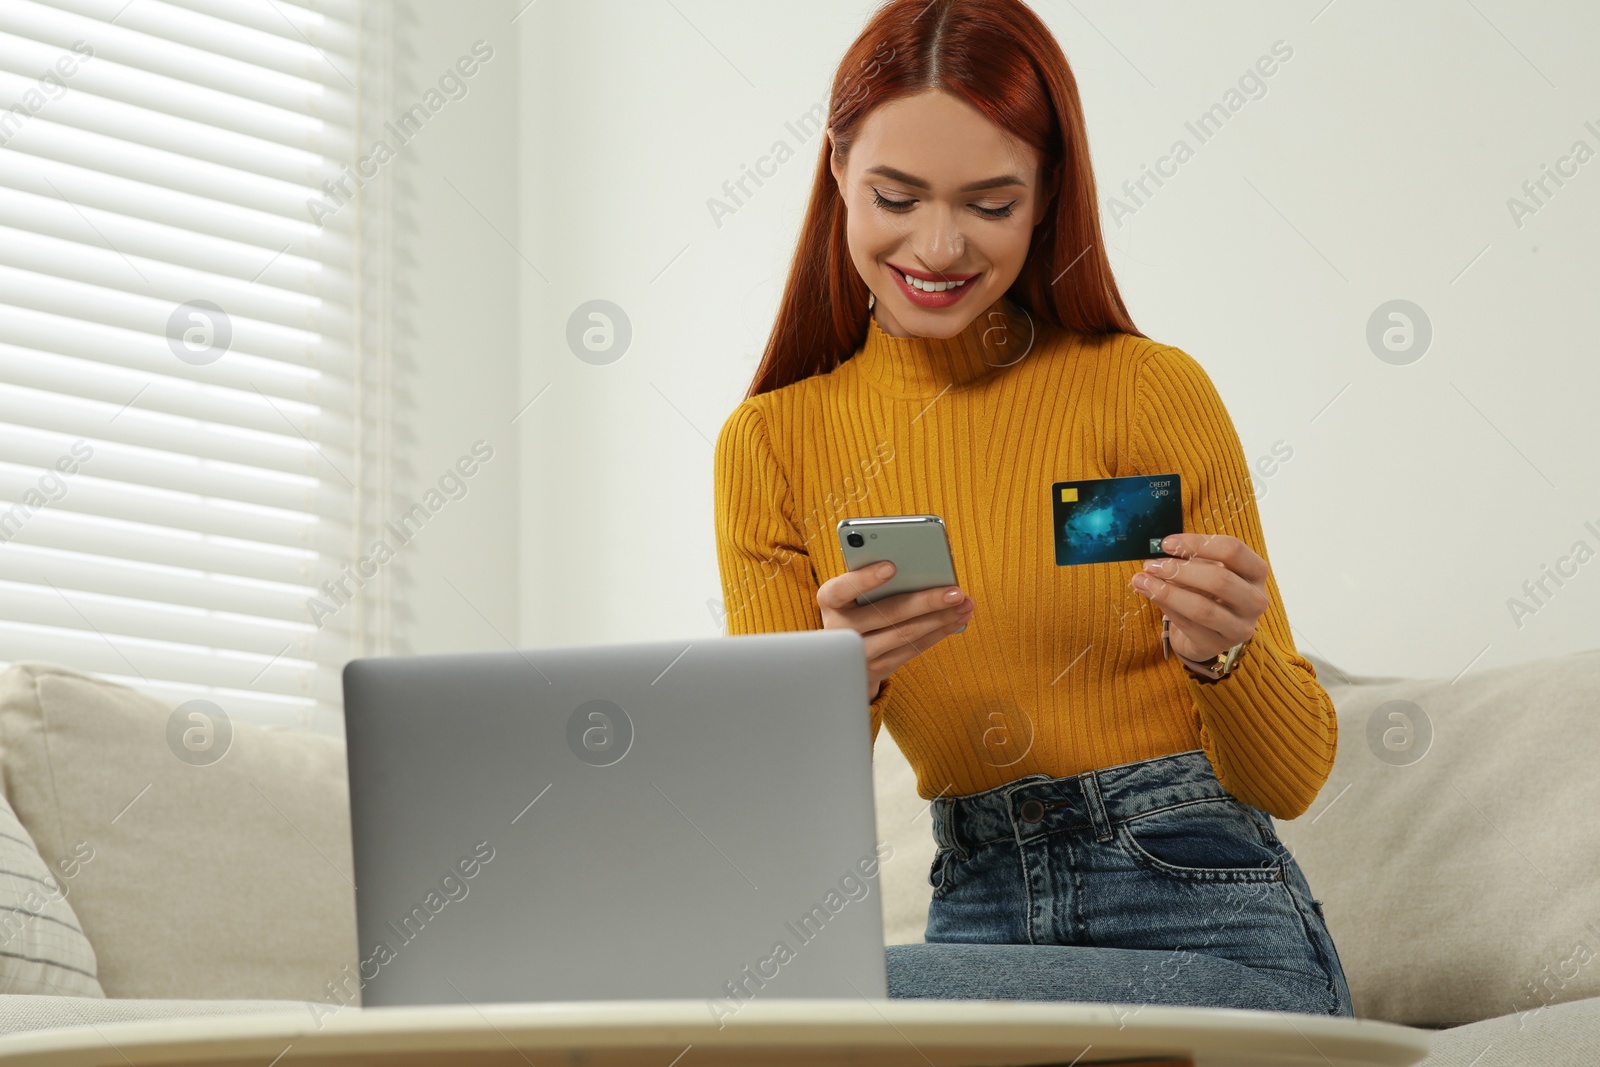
(1562, 1035)
(24, 1013)
(217, 872)
(42, 947)
(1455, 846)
(905, 823)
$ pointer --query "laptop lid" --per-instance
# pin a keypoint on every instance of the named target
(686, 818)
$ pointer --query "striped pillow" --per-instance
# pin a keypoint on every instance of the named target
(42, 947)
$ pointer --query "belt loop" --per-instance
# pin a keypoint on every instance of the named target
(946, 815)
(1097, 808)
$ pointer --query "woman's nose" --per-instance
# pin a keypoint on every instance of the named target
(941, 244)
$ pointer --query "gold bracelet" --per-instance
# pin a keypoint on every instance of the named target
(1218, 669)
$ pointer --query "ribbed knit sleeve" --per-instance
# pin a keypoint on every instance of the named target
(769, 583)
(1269, 728)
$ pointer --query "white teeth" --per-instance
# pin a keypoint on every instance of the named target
(931, 287)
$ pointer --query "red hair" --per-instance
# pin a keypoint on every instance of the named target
(1000, 58)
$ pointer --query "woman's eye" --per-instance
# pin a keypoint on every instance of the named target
(900, 205)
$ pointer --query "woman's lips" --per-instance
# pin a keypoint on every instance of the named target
(933, 301)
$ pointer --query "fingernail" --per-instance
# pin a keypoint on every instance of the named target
(954, 595)
(963, 627)
(885, 570)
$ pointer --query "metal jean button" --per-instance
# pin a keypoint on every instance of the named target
(1031, 810)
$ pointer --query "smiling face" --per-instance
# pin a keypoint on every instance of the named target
(936, 191)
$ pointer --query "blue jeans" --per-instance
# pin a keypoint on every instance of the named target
(1146, 882)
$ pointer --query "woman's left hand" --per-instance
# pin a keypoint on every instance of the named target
(1214, 594)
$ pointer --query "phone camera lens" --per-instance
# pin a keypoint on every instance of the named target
(856, 540)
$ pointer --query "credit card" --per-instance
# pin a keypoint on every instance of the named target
(1104, 520)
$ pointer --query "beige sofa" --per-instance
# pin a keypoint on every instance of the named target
(1455, 848)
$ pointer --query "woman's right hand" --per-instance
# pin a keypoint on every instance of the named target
(895, 628)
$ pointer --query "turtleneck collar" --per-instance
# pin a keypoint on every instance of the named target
(998, 337)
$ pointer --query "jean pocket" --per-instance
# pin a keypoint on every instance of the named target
(939, 870)
(1210, 840)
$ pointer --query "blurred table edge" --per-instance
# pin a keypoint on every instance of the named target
(887, 1031)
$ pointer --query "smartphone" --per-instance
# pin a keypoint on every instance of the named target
(917, 545)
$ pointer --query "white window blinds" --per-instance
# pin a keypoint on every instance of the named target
(178, 465)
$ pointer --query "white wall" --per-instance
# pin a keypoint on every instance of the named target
(456, 328)
(1377, 166)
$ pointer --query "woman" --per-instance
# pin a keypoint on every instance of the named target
(952, 342)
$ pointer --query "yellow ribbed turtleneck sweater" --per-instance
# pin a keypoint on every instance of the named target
(1060, 669)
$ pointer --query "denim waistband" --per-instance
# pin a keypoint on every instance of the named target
(1097, 799)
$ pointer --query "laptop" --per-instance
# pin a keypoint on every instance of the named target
(672, 819)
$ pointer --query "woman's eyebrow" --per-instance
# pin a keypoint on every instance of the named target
(987, 183)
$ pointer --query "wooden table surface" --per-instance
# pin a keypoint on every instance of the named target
(683, 1033)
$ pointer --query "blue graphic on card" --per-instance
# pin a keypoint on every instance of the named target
(1104, 520)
